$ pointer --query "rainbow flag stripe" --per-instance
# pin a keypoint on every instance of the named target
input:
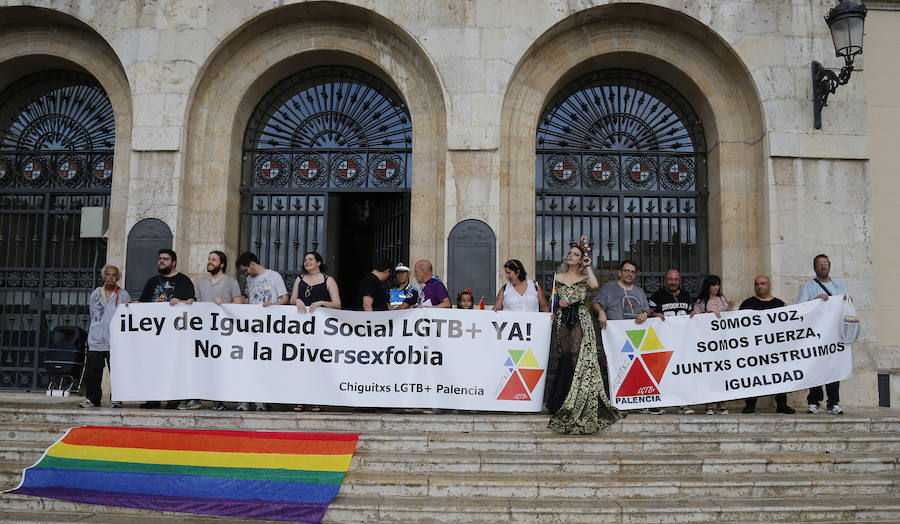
(249, 474)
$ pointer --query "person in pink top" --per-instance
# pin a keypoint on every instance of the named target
(711, 300)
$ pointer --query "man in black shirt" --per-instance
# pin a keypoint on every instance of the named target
(763, 299)
(169, 285)
(668, 301)
(371, 294)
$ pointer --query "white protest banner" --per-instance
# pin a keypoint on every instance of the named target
(427, 358)
(683, 360)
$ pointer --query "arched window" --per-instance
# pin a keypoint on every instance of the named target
(621, 159)
(327, 155)
(57, 135)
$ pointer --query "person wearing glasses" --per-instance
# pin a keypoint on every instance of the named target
(519, 293)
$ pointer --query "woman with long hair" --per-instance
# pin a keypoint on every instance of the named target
(314, 289)
(578, 398)
(711, 300)
(519, 293)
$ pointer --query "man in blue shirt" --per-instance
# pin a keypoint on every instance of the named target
(822, 287)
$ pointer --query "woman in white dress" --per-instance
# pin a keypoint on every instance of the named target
(519, 293)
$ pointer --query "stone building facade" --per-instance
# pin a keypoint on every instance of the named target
(478, 80)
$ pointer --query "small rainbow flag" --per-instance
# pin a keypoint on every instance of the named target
(249, 474)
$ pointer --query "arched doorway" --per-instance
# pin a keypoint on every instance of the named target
(326, 167)
(57, 138)
(621, 159)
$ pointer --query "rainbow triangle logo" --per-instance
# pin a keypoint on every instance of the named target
(525, 372)
(648, 363)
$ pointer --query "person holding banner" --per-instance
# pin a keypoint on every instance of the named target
(763, 300)
(822, 286)
(465, 299)
(712, 301)
(265, 287)
(313, 288)
(405, 295)
(434, 292)
(667, 301)
(519, 293)
(370, 292)
(578, 399)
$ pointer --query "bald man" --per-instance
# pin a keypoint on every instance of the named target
(434, 293)
(763, 299)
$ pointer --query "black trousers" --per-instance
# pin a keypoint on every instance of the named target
(93, 375)
(780, 401)
(832, 390)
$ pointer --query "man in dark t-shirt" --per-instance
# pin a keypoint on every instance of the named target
(371, 294)
(762, 300)
(169, 285)
(670, 300)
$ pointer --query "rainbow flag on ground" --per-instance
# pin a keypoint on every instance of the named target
(249, 474)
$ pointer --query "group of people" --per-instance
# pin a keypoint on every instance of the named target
(577, 399)
(579, 383)
(314, 288)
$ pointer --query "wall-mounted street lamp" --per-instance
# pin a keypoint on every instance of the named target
(845, 21)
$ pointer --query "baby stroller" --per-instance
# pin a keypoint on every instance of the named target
(65, 360)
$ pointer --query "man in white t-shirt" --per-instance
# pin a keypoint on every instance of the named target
(264, 287)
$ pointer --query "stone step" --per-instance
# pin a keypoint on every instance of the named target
(354, 509)
(445, 422)
(24, 454)
(643, 464)
(524, 487)
(677, 443)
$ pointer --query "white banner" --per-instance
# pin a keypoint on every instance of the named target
(425, 358)
(683, 360)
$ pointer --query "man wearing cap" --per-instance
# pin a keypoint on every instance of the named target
(405, 295)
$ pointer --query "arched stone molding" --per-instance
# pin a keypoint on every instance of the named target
(33, 40)
(696, 62)
(252, 61)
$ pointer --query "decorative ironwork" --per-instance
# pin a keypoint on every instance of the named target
(621, 159)
(57, 137)
(338, 129)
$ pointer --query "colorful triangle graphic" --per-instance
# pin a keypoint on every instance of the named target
(651, 342)
(508, 362)
(516, 354)
(631, 357)
(528, 361)
(637, 382)
(531, 377)
(657, 362)
(514, 389)
(627, 348)
(636, 335)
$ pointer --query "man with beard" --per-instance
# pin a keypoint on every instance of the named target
(667, 301)
(168, 286)
(220, 288)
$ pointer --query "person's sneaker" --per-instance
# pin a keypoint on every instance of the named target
(243, 406)
(835, 410)
(189, 404)
(653, 411)
(787, 410)
(259, 406)
(220, 406)
(812, 409)
(181, 405)
(723, 411)
(709, 411)
(117, 404)
(86, 404)
(684, 410)
(747, 410)
(150, 404)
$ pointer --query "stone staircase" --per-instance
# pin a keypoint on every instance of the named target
(491, 467)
